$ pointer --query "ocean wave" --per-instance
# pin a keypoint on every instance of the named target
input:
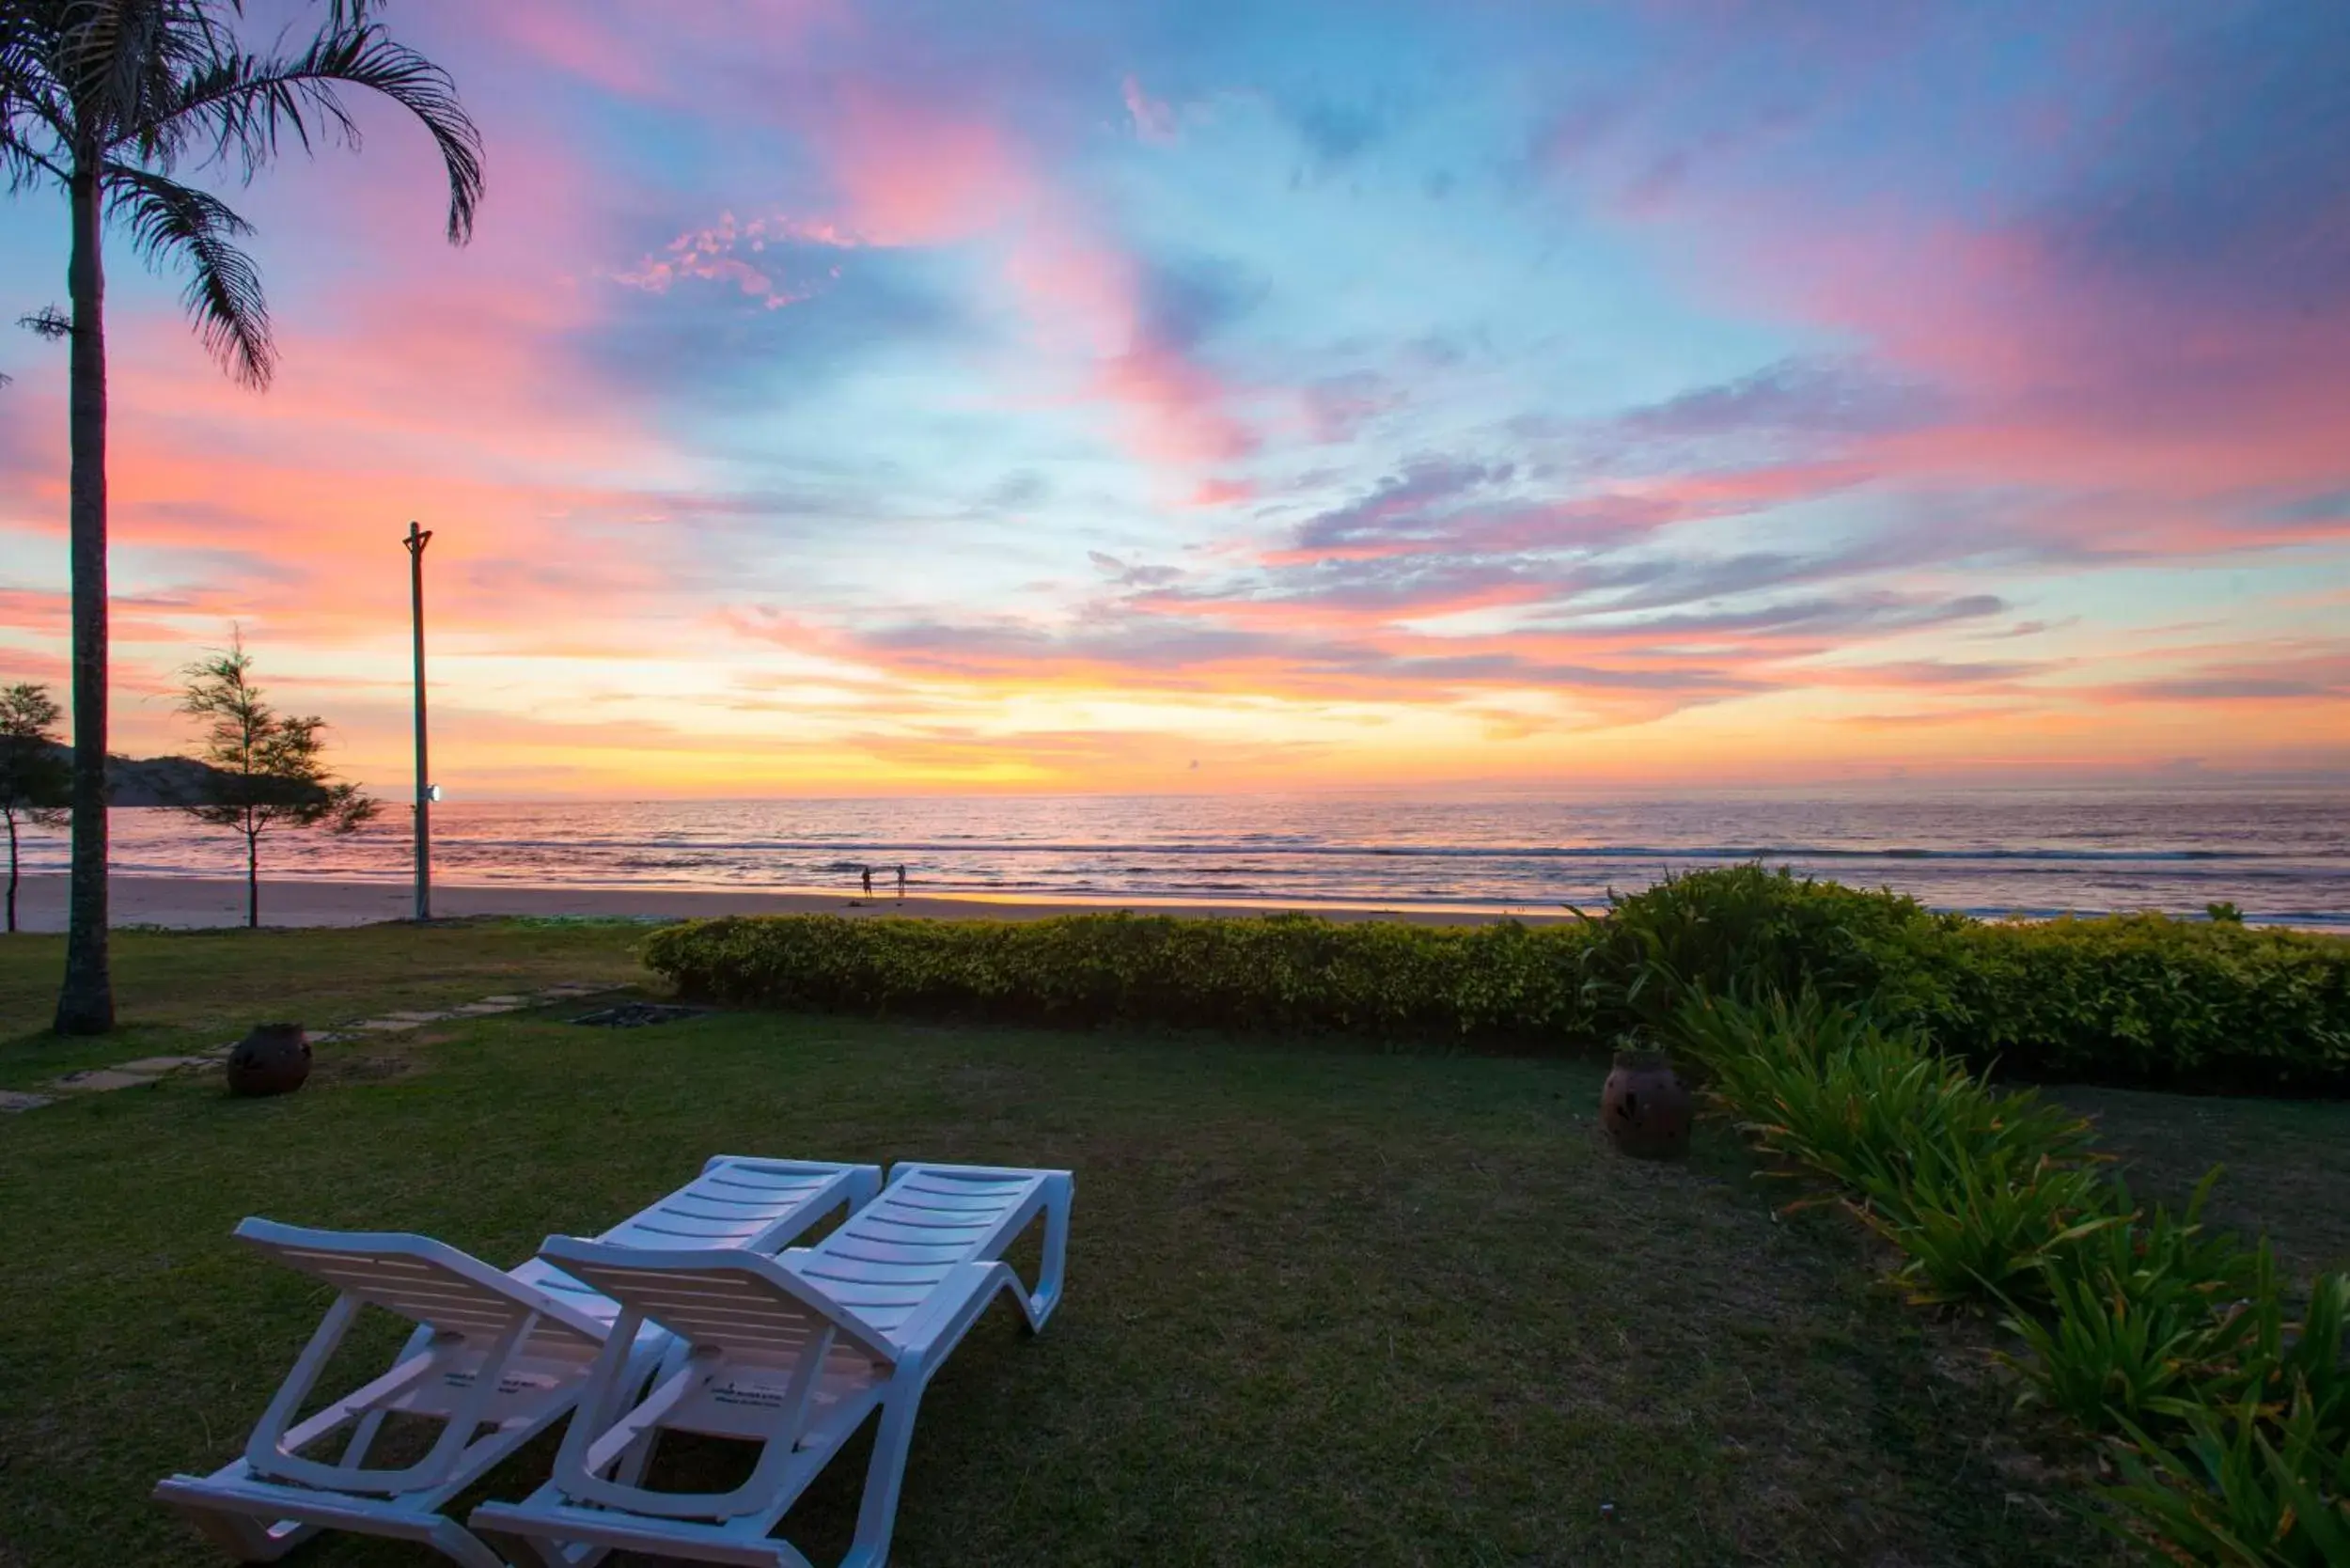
(447, 845)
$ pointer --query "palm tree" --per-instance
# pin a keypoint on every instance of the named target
(109, 101)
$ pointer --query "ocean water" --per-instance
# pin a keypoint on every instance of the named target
(2283, 856)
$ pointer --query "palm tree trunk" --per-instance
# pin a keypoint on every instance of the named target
(13, 871)
(252, 882)
(86, 1003)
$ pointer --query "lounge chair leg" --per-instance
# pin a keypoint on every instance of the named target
(246, 1538)
(1055, 1258)
(459, 1544)
(364, 1431)
(531, 1551)
(877, 1515)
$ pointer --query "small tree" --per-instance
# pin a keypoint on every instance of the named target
(269, 769)
(35, 781)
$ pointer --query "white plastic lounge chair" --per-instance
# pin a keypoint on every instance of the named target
(793, 1353)
(508, 1352)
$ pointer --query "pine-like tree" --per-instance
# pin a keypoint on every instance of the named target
(35, 781)
(269, 768)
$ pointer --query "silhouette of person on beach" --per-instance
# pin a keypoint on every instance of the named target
(902, 885)
(866, 872)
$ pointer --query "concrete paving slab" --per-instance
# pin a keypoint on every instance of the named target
(159, 1064)
(16, 1099)
(97, 1080)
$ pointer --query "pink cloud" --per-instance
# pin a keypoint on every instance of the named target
(912, 174)
(662, 54)
(2158, 406)
(711, 253)
(574, 40)
(1152, 118)
(1439, 510)
(1220, 493)
(910, 177)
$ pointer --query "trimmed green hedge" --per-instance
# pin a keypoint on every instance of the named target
(1280, 972)
(2141, 998)
(2137, 999)
(2120, 999)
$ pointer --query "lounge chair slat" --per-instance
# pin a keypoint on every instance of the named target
(929, 1219)
(932, 1178)
(917, 1228)
(948, 1203)
(861, 1251)
(856, 1291)
(835, 1266)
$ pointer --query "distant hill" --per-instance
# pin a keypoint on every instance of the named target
(156, 780)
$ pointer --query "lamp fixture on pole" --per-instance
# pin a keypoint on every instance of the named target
(416, 540)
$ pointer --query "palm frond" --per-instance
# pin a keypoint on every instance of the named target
(245, 107)
(23, 164)
(118, 63)
(34, 119)
(171, 223)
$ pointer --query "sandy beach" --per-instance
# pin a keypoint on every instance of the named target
(193, 902)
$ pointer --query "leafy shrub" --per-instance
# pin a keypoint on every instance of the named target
(1379, 978)
(1747, 930)
(2120, 999)
(2142, 999)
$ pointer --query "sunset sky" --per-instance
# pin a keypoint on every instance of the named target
(858, 399)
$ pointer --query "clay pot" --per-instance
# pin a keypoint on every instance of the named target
(1645, 1108)
(275, 1059)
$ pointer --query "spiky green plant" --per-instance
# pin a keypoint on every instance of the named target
(2239, 1491)
(2144, 1320)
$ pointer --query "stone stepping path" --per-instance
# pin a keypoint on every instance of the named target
(149, 1070)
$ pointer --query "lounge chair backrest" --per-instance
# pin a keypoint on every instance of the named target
(886, 1258)
(740, 1201)
(422, 1279)
(751, 1309)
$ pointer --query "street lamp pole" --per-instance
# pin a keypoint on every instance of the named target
(416, 540)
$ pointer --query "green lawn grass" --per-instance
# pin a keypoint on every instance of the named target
(178, 992)
(2287, 1162)
(1325, 1306)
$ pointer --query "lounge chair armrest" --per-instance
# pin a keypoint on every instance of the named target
(950, 1308)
